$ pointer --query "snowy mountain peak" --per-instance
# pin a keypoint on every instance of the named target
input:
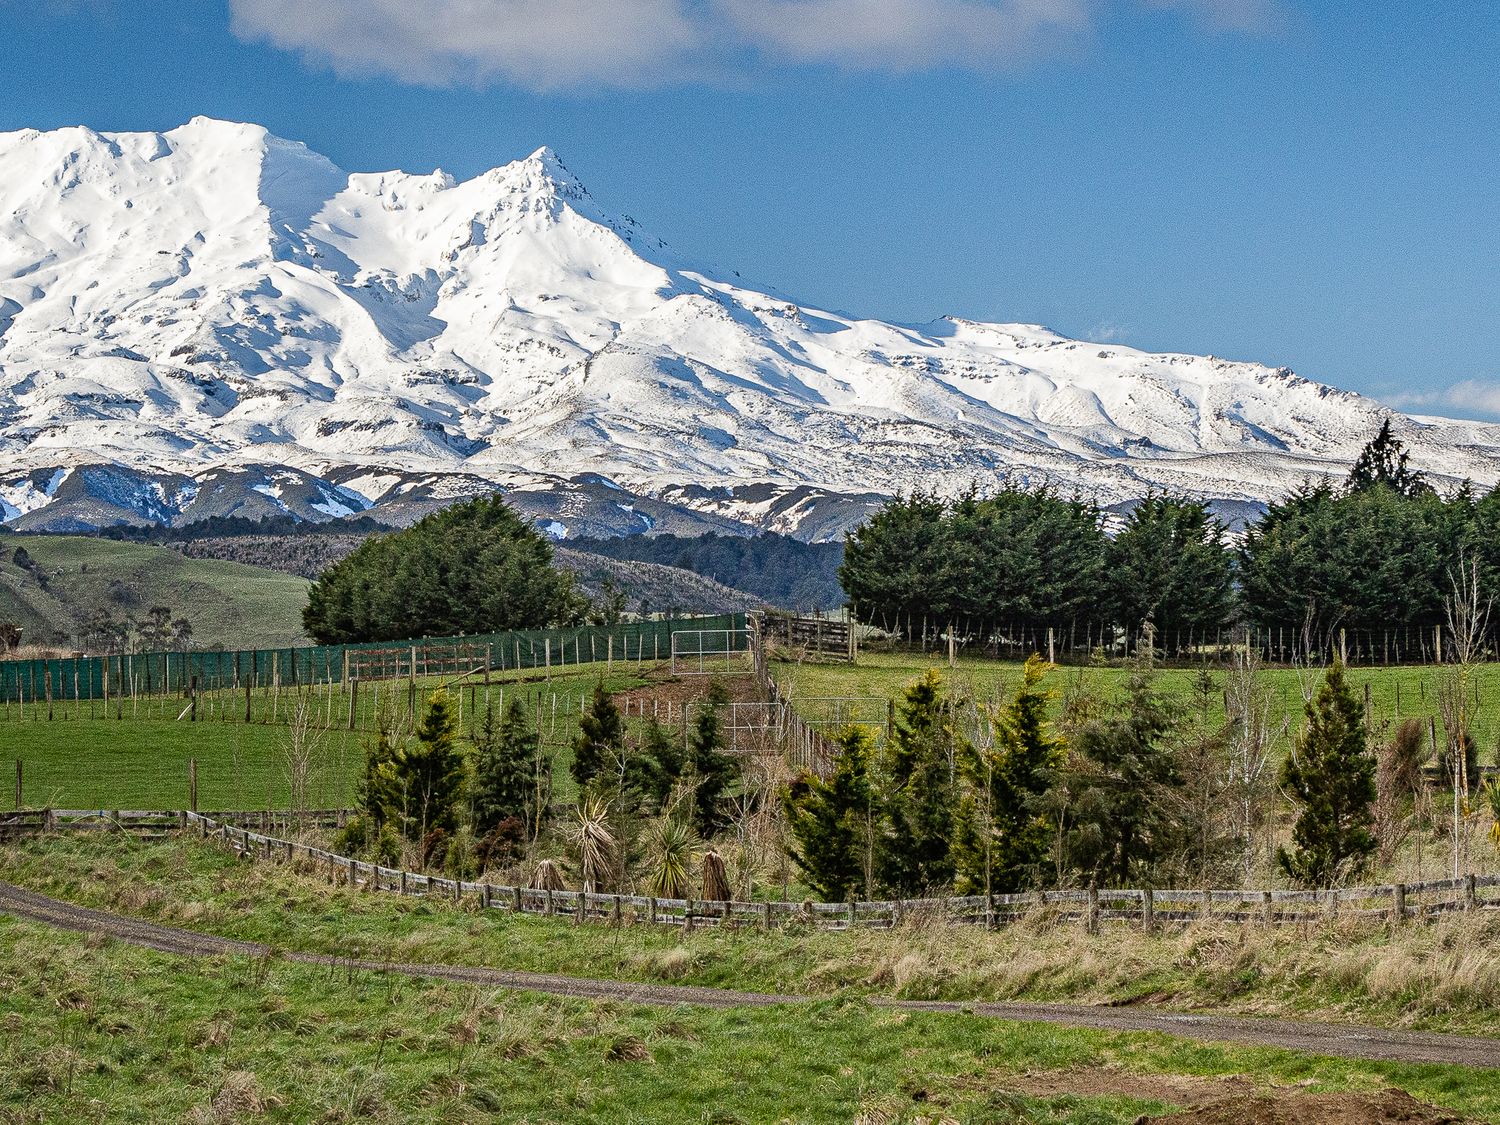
(193, 312)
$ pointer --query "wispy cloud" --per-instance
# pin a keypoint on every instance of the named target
(1467, 398)
(554, 44)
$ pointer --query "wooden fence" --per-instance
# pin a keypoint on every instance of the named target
(1146, 908)
(153, 823)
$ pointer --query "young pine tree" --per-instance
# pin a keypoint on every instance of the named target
(504, 750)
(429, 771)
(1002, 836)
(600, 738)
(711, 770)
(1332, 778)
(833, 822)
(919, 796)
(657, 764)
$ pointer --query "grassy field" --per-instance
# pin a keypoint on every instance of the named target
(135, 753)
(228, 604)
(1444, 976)
(1395, 693)
(95, 1030)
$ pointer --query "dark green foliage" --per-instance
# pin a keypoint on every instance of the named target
(833, 821)
(1118, 793)
(1170, 566)
(659, 760)
(1331, 776)
(504, 751)
(919, 795)
(600, 741)
(428, 772)
(1382, 463)
(1369, 559)
(711, 770)
(476, 567)
(783, 571)
(1004, 832)
(1021, 557)
(375, 791)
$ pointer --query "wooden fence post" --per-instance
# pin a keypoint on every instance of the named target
(1471, 899)
(1207, 904)
(1092, 921)
(1398, 903)
(193, 784)
(1148, 910)
(515, 900)
(353, 699)
(1267, 908)
(18, 783)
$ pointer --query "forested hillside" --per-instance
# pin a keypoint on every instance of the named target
(777, 569)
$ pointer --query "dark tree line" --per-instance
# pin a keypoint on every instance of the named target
(1378, 553)
(1032, 559)
(476, 567)
(776, 568)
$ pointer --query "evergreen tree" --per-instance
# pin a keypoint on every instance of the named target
(1003, 835)
(1170, 566)
(1332, 778)
(428, 772)
(657, 765)
(600, 739)
(833, 821)
(1383, 462)
(918, 793)
(712, 770)
(377, 792)
(504, 751)
(1121, 785)
(474, 567)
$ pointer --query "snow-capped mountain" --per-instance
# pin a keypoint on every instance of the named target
(216, 321)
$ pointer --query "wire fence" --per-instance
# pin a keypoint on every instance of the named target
(129, 675)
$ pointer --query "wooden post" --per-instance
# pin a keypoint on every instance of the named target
(515, 899)
(353, 700)
(18, 783)
(1471, 899)
(403, 881)
(193, 784)
(193, 698)
(580, 907)
(1267, 908)
(1398, 903)
(849, 924)
(249, 683)
(47, 685)
(1207, 903)
(617, 908)
(1051, 649)
(766, 916)
(651, 909)
(1093, 912)
(1148, 910)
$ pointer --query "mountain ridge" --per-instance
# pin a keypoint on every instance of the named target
(213, 320)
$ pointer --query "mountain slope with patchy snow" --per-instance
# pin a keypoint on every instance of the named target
(215, 321)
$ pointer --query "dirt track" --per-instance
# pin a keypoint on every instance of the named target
(1348, 1041)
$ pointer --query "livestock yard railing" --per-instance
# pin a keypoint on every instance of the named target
(158, 673)
(1394, 903)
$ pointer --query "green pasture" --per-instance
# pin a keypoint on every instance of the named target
(1395, 693)
(135, 752)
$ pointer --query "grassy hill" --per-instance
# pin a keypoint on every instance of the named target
(73, 578)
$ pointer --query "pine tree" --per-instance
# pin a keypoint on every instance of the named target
(428, 773)
(657, 764)
(503, 754)
(1003, 836)
(377, 792)
(919, 796)
(1122, 782)
(1332, 777)
(1383, 462)
(600, 739)
(712, 770)
(833, 821)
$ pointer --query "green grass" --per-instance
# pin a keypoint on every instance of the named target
(229, 605)
(1444, 976)
(1395, 693)
(135, 753)
(105, 1031)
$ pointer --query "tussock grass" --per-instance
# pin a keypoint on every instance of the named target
(1440, 976)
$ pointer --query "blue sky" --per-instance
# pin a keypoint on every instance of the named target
(1299, 182)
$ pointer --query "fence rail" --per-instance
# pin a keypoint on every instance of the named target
(165, 673)
(1395, 903)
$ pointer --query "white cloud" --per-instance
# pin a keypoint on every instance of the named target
(542, 44)
(1466, 398)
(552, 44)
(904, 34)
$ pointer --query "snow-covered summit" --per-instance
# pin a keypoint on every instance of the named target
(216, 298)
